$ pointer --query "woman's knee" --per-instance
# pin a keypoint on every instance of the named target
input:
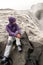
(10, 40)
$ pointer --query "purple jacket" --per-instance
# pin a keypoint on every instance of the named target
(13, 29)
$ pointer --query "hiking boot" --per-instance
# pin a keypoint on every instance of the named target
(4, 60)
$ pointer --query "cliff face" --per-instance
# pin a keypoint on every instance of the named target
(29, 23)
(26, 20)
(38, 12)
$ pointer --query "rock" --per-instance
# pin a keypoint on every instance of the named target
(38, 12)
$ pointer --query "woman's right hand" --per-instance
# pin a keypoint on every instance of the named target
(18, 35)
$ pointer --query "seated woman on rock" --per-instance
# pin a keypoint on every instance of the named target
(14, 34)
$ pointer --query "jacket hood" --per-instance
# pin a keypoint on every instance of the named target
(12, 19)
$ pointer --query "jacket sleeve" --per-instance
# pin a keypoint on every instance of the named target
(10, 32)
(18, 29)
